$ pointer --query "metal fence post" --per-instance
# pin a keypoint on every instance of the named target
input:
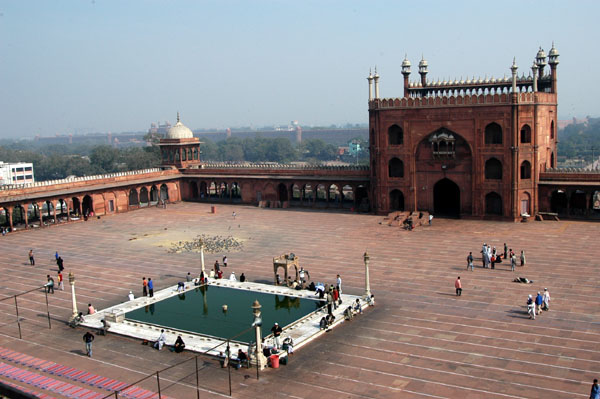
(158, 382)
(197, 381)
(229, 365)
(18, 321)
(48, 310)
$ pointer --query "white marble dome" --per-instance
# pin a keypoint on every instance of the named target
(179, 131)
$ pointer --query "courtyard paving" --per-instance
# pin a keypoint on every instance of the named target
(419, 341)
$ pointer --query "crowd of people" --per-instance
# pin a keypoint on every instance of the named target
(490, 257)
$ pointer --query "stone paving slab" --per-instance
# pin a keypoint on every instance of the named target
(420, 340)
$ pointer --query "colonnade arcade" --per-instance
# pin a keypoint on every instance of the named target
(46, 212)
(301, 193)
(63, 209)
(576, 202)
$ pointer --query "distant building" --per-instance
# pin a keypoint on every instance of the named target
(16, 173)
(159, 128)
(354, 147)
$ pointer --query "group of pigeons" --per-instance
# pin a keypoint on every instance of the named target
(211, 244)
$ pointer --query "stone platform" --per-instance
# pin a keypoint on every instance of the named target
(419, 341)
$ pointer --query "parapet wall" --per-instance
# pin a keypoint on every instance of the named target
(461, 100)
(571, 174)
(266, 169)
(53, 185)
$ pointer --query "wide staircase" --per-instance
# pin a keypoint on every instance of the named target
(47, 380)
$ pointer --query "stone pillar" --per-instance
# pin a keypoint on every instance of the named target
(25, 216)
(260, 359)
(9, 215)
(366, 258)
(74, 301)
(54, 206)
(41, 213)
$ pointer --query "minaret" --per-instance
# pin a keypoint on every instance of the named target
(370, 79)
(376, 79)
(534, 69)
(406, 73)
(423, 71)
(513, 69)
(553, 61)
(540, 60)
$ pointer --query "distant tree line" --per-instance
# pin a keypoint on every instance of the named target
(59, 161)
(580, 140)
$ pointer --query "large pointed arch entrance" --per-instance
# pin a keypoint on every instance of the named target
(446, 198)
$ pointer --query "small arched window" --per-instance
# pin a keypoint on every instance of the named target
(395, 135)
(396, 168)
(493, 134)
(493, 169)
(525, 134)
(525, 170)
(552, 130)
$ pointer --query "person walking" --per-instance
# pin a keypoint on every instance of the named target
(339, 283)
(595, 393)
(531, 307)
(59, 263)
(513, 262)
(538, 303)
(430, 218)
(61, 286)
(546, 299)
(50, 285)
(224, 261)
(505, 251)
(458, 286)
(31, 260)
(522, 258)
(470, 261)
(150, 287)
(88, 338)
(144, 287)
(217, 267)
(330, 301)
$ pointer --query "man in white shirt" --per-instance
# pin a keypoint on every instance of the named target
(162, 339)
(339, 283)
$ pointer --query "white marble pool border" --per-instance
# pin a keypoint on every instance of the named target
(302, 331)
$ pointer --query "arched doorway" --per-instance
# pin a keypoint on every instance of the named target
(133, 197)
(347, 196)
(493, 204)
(143, 196)
(18, 215)
(164, 192)
(578, 203)
(362, 199)
(396, 200)
(61, 210)
(296, 194)
(33, 213)
(203, 190)
(283, 192)
(236, 191)
(76, 212)
(446, 198)
(153, 195)
(334, 194)
(558, 202)
(88, 206)
(194, 189)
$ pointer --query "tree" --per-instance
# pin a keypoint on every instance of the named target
(105, 157)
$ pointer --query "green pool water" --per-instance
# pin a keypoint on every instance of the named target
(200, 311)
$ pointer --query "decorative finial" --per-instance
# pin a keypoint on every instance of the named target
(177, 116)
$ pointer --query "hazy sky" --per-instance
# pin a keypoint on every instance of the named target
(98, 65)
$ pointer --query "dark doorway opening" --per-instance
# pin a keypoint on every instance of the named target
(396, 200)
(446, 198)
(283, 192)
